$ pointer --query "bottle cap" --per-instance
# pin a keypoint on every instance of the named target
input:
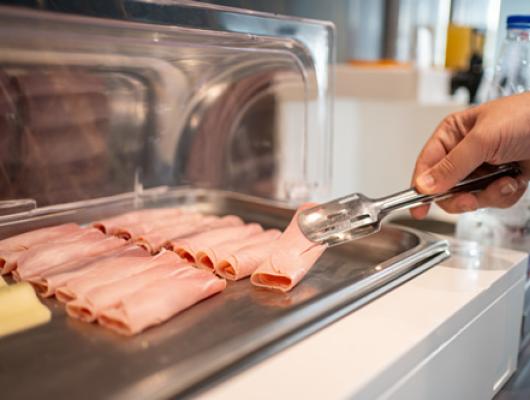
(518, 22)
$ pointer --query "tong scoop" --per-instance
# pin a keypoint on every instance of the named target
(354, 216)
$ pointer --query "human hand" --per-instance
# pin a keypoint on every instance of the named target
(496, 132)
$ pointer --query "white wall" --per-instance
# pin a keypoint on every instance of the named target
(376, 143)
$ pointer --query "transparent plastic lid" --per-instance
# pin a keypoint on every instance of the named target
(222, 98)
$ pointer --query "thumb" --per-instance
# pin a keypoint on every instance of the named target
(463, 159)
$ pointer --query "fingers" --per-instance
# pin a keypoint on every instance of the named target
(460, 203)
(447, 172)
(502, 193)
(459, 145)
(465, 157)
(445, 137)
(419, 212)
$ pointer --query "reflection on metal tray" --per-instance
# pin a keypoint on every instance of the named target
(218, 336)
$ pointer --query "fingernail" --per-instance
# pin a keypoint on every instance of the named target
(522, 183)
(508, 189)
(426, 180)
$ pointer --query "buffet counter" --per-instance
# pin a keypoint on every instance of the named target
(452, 332)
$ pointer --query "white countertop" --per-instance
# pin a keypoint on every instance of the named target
(343, 359)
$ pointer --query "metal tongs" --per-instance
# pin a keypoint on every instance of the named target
(354, 216)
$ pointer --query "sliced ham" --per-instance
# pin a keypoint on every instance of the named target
(41, 256)
(134, 217)
(112, 270)
(292, 257)
(11, 248)
(209, 257)
(8, 260)
(160, 301)
(187, 248)
(90, 306)
(132, 231)
(47, 282)
(26, 240)
(44, 256)
(244, 261)
(154, 241)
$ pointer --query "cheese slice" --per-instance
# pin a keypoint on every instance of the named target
(20, 308)
(2, 282)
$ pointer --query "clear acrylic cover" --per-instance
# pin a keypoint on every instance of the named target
(195, 95)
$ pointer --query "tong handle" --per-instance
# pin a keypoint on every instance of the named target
(411, 198)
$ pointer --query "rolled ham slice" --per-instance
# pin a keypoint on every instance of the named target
(154, 241)
(47, 282)
(160, 301)
(90, 306)
(131, 232)
(112, 270)
(44, 256)
(12, 248)
(292, 257)
(209, 257)
(41, 256)
(134, 217)
(243, 262)
(8, 260)
(188, 248)
(26, 240)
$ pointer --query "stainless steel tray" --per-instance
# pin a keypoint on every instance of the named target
(216, 338)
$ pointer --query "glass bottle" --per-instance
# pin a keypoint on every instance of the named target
(510, 227)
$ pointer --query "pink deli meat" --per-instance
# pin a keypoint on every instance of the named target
(47, 282)
(8, 260)
(132, 232)
(90, 306)
(11, 248)
(160, 301)
(112, 270)
(292, 257)
(44, 256)
(188, 248)
(39, 256)
(155, 240)
(243, 262)
(210, 257)
(134, 217)
(26, 240)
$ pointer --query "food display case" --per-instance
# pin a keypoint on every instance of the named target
(106, 107)
(178, 104)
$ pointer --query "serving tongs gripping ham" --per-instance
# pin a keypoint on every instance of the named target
(354, 216)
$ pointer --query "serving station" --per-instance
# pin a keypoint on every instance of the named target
(190, 105)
